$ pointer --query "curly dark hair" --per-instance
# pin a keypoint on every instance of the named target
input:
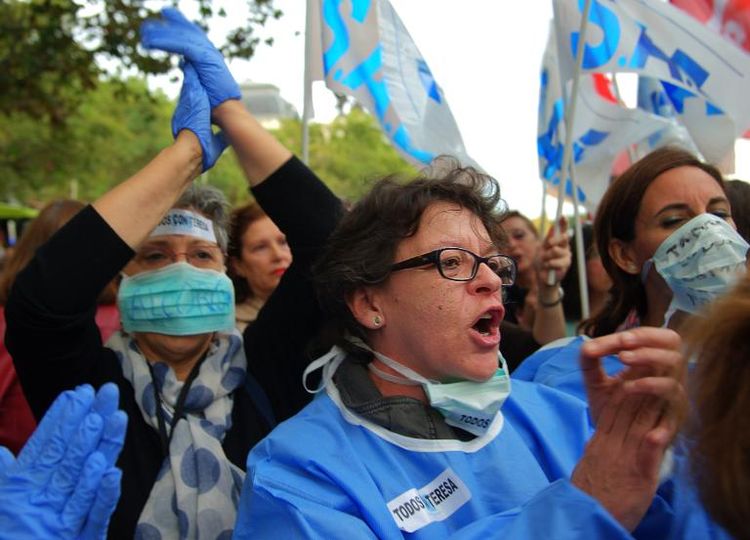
(361, 250)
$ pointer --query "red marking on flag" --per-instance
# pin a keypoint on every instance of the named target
(603, 87)
(735, 21)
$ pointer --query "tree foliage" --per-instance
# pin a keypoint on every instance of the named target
(65, 122)
(106, 140)
(112, 135)
(50, 50)
(348, 154)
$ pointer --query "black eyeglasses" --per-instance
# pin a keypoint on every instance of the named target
(459, 264)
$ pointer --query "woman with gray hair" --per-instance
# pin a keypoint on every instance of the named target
(197, 399)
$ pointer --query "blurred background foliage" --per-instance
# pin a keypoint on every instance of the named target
(69, 128)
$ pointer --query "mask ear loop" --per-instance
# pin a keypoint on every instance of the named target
(329, 362)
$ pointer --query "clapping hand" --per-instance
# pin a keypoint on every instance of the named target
(64, 483)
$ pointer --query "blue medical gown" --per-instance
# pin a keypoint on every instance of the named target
(557, 365)
(327, 473)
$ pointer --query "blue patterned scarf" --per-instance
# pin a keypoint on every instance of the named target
(197, 489)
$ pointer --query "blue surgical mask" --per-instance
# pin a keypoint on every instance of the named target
(177, 300)
(699, 262)
(470, 405)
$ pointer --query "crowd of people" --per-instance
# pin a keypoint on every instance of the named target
(399, 369)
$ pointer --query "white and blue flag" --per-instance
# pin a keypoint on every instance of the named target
(601, 130)
(362, 49)
(697, 125)
(653, 38)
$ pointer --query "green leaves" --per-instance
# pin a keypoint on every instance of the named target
(50, 47)
(348, 154)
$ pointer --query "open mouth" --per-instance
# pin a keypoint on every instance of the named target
(488, 324)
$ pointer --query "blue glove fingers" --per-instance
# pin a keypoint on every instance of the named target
(175, 15)
(174, 33)
(55, 430)
(68, 472)
(33, 447)
(7, 459)
(193, 112)
(79, 506)
(74, 414)
(107, 399)
(113, 437)
(155, 34)
(104, 504)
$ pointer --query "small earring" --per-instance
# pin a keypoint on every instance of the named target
(376, 320)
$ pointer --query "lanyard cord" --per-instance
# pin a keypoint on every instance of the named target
(179, 411)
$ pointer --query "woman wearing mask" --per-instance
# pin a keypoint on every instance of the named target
(665, 235)
(258, 257)
(197, 400)
(418, 433)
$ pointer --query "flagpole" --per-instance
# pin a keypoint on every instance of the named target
(569, 117)
(583, 285)
(307, 107)
(618, 95)
(305, 140)
(543, 220)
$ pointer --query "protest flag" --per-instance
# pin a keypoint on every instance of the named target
(362, 49)
(656, 39)
(602, 130)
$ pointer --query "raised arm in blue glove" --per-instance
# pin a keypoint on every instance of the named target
(174, 33)
(64, 484)
(193, 112)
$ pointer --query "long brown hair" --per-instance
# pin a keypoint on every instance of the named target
(720, 428)
(615, 218)
(53, 216)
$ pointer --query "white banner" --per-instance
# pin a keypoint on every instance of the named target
(697, 126)
(362, 49)
(602, 129)
(654, 38)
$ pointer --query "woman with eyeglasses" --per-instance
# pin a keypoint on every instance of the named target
(196, 398)
(417, 431)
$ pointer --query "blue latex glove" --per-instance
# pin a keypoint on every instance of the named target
(64, 484)
(174, 33)
(194, 113)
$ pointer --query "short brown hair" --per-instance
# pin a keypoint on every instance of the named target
(360, 251)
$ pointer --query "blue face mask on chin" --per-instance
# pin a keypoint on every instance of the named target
(469, 405)
(177, 300)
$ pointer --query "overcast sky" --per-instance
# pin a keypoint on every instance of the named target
(484, 54)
